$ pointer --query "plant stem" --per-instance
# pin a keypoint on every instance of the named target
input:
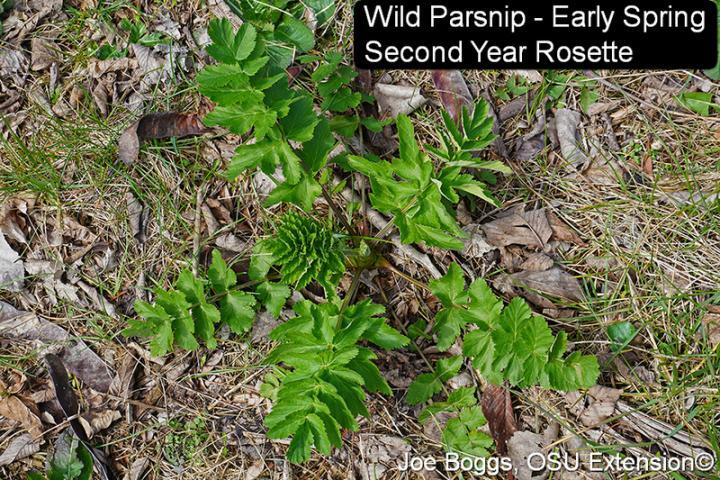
(352, 291)
(338, 213)
(384, 231)
(384, 263)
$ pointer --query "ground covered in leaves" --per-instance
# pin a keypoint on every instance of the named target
(608, 227)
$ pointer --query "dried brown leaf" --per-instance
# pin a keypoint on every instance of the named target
(499, 143)
(43, 53)
(398, 99)
(523, 448)
(13, 408)
(596, 407)
(254, 471)
(98, 421)
(157, 125)
(555, 282)
(122, 383)
(76, 355)
(21, 447)
(71, 408)
(380, 453)
(515, 107)
(453, 91)
(137, 469)
(498, 410)
(537, 262)
(711, 324)
(138, 217)
(561, 231)
(567, 122)
(530, 229)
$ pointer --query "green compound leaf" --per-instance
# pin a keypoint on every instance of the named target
(189, 313)
(242, 116)
(505, 343)
(462, 434)
(418, 198)
(302, 194)
(220, 275)
(476, 305)
(327, 374)
(296, 33)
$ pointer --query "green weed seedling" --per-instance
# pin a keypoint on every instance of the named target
(71, 461)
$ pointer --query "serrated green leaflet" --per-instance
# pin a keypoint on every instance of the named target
(229, 46)
(428, 384)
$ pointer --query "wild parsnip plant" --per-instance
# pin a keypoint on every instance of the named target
(507, 343)
(306, 250)
(320, 389)
(418, 197)
(323, 366)
(462, 432)
(189, 312)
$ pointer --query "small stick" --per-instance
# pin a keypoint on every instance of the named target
(198, 226)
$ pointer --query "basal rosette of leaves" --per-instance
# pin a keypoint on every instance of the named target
(319, 388)
(252, 95)
(323, 364)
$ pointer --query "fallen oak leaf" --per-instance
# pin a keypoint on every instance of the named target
(155, 126)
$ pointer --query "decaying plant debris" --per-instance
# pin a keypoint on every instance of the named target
(609, 217)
